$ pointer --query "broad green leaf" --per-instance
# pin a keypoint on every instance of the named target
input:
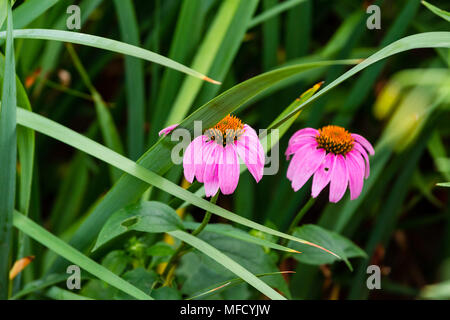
(332, 240)
(116, 261)
(105, 44)
(141, 278)
(437, 11)
(8, 150)
(228, 263)
(146, 216)
(55, 244)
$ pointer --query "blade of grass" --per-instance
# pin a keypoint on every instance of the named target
(417, 41)
(106, 44)
(232, 282)
(228, 263)
(60, 247)
(56, 293)
(437, 11)
(273, 11)
(8, 142)
(203, 60)
(134, 79)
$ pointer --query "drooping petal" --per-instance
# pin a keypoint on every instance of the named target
(210, 174)
(297, 159)
(339, 179)
(208, 158)
(308, 132)
(167, 130)
(297, 144)
(306, 167)
(192, 158)
(249, 153)
(355, 168)
(322, 175)
(363, 141)
(363, 152)
(228, 169)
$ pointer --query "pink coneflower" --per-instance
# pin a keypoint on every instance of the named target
(213, 158)
(332, 155)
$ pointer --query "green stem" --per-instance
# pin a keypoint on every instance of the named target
(183, 246)
(299, 216)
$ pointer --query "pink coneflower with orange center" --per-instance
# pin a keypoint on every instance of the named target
(213, 157)
(332, 155)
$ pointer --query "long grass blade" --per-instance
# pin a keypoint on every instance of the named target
(8, 142)
(106, 44)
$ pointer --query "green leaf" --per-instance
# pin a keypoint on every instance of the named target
(228, 263)
(160, 249)
(141, 278)
(105, 44)
(328, 239)
(146, 216)
(437, 11)
(40, 284)
(116, 261)
(55, 244)
(56, 293)
(8, 144)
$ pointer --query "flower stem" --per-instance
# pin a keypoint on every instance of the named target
(299, 216)
(183, 247)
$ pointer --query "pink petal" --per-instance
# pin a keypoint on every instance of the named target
(363, 141)
(250, 131)
(207, 159)
(323, 175)
(210, 174)
(228, 170)
(168, 130)
(297, 159)
(355, 168)
(192, 158)
(363, 152)
(298, 143)
(339, 179)
(251, 156)
(306, 166)
(308, 132)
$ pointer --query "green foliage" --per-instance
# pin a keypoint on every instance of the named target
(105, 195)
